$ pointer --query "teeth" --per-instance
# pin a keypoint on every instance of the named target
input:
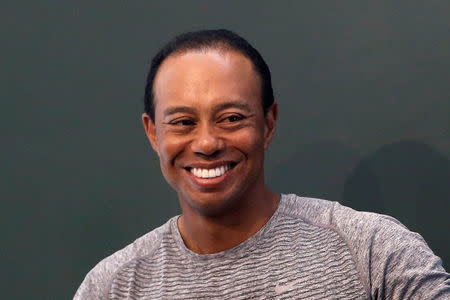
(210, 173)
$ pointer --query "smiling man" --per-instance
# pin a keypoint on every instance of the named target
(210, 115)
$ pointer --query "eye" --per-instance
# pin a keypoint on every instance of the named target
(182, 122)
(233, 118)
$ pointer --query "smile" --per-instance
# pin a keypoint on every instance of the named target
(210, 173)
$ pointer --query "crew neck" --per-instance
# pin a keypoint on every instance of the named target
(237, 251)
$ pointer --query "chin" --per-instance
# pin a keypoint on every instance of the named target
(211, 204)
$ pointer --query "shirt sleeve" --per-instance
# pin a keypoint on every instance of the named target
(394, 262)
(97, 283)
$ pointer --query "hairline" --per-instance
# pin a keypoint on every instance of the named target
(221, 40)
(222, 50)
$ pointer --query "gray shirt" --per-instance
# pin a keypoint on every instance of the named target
(309, 249)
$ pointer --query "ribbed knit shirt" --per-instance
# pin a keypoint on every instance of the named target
(309, 249)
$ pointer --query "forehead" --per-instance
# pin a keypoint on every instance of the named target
(204, 77)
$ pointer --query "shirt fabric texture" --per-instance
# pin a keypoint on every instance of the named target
(309, 249)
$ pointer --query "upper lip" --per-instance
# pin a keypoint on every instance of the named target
(209, 165)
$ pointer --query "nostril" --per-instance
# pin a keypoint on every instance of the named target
(209, 155)
(207, 142)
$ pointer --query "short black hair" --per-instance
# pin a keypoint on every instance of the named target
(203, 40)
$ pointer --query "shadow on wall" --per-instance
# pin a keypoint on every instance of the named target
(408, 180)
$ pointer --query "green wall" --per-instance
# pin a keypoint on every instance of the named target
(364, 119)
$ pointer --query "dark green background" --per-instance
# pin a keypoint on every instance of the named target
(363, 89)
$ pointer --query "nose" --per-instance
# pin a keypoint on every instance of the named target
(207, 142)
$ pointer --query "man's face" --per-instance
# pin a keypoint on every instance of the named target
(210, 131)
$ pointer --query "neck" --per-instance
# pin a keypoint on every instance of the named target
(211, 234)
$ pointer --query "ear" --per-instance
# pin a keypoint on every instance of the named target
(270, 123)
(150, 130)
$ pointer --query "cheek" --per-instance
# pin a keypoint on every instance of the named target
(170, 148)
(249, 141)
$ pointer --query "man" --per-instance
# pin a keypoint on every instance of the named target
(210, 115)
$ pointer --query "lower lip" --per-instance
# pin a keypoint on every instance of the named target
(210, 182)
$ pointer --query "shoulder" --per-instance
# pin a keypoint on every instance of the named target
(393, 262)
(355, 227)
(97, 282)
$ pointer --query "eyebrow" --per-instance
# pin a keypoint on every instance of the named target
(233, 104)
(178, 109)
(187, 109)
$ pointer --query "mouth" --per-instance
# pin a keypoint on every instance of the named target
(208, 173)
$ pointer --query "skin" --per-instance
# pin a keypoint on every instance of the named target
(208, 113)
